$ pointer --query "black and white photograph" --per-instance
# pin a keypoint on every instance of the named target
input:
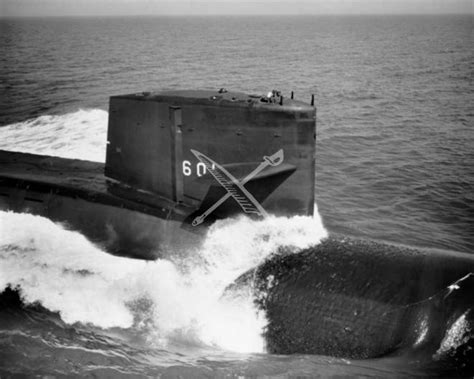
(236, 189)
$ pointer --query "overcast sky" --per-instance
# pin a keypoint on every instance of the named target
(199, 7)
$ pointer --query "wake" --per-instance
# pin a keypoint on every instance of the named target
(67, 274)
(80, 135)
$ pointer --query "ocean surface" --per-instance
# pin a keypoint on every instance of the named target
(394, 163)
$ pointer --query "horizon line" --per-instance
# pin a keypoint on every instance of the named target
(240, 15)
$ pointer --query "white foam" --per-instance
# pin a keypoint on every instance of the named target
(456, 335)
(67, 274)
(81, 135)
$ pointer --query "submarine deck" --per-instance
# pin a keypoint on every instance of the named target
(71, 178)
(79, 175)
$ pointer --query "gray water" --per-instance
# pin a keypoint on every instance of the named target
(395, 141)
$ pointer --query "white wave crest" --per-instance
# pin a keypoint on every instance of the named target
(65, 273)
(80, 135)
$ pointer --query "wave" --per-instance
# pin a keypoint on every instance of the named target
(173, 300)
(80, 135)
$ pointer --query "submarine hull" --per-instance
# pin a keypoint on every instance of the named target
(76, 194)
(362, 299)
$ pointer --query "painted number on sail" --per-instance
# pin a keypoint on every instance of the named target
(199, 168)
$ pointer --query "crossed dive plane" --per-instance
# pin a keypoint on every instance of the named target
(234, 187)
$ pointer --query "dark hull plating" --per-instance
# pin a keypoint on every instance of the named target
(77, 194)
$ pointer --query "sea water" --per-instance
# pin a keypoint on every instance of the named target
(394, 163)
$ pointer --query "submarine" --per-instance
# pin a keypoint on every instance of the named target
(177, 161)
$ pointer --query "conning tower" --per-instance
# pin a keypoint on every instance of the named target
(158, 143)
